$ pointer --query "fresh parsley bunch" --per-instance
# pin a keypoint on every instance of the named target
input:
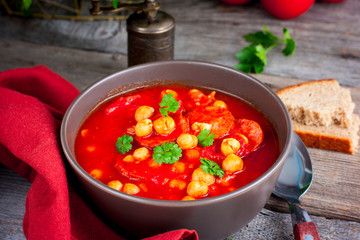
(253, 57)
(168, 104)
(206, 138)
(167, 153)
(123, 144)
(211, 167)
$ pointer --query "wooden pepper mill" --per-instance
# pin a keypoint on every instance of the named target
(151, 32)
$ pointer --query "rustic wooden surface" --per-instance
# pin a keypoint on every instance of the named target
(328, 46)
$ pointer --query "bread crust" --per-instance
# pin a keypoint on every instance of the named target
(321, 136)
(326, 142)
(285, 89)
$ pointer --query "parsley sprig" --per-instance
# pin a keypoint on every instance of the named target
(168, 104)
(167, 153)
(206, 138)
(211, 167)
(253, 57)
(123, 144)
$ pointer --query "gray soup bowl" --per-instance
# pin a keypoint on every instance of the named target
(212, 218)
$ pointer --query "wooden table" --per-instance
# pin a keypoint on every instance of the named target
(328, 46)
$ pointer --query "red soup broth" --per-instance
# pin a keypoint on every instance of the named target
(96, 140)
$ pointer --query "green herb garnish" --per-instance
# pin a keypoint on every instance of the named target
(115, 3)
(168, 104)
(123, 144)
(26, 4)
(211, 167)
(168, 153)
(206, 138)
(253, 57)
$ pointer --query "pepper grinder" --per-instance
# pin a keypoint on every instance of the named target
(151, 32)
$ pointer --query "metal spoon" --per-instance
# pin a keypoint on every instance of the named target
(294, 180)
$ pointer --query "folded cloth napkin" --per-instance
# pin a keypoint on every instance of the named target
(32, 104)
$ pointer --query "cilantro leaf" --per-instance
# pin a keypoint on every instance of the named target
(26, 4)
(289, 44)
(247, 54)
(168, 104)
(123, 144)
(115, 3)
(261, 53)
(253, 58)
(244, 67)
(289, 47)
(265, 38)
(206, 138)
(270, 36)
(168, 153)
(211, 167)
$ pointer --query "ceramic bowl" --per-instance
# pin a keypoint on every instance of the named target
(212, 218)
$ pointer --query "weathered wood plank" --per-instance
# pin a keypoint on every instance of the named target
(80, 67)
(13, 190)
(327, 36)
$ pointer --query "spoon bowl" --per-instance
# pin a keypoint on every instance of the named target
(294, 180)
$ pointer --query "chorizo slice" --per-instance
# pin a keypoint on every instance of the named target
(149, 171)
(221, 120)
(252, 131)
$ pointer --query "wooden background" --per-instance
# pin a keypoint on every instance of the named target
(328, 46)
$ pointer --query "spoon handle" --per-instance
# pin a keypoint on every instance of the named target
(304, 228)
(306, 231)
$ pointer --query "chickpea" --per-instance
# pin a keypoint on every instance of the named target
(143, 128)
(187, 141)
(197, 189)
(115, 184)
(229, 146)
(131, 188)
(164, 125)
(172, 92)
(200, 175)
(178, 167)
(198, 127)
(141, 154)
(96, 173)
(232, 163)
(220, 104)
(179, 184)
(188, 198)
(143, 112)
(129, 158)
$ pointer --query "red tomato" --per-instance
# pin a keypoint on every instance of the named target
(235, 2)
(333, 1)
(287, 9)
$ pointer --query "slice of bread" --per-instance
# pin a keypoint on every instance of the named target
(322, 115)
(333, 137)
(319, 103)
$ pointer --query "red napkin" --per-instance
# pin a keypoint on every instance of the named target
(32, 104)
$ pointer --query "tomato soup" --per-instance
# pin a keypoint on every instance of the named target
(176, 143)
